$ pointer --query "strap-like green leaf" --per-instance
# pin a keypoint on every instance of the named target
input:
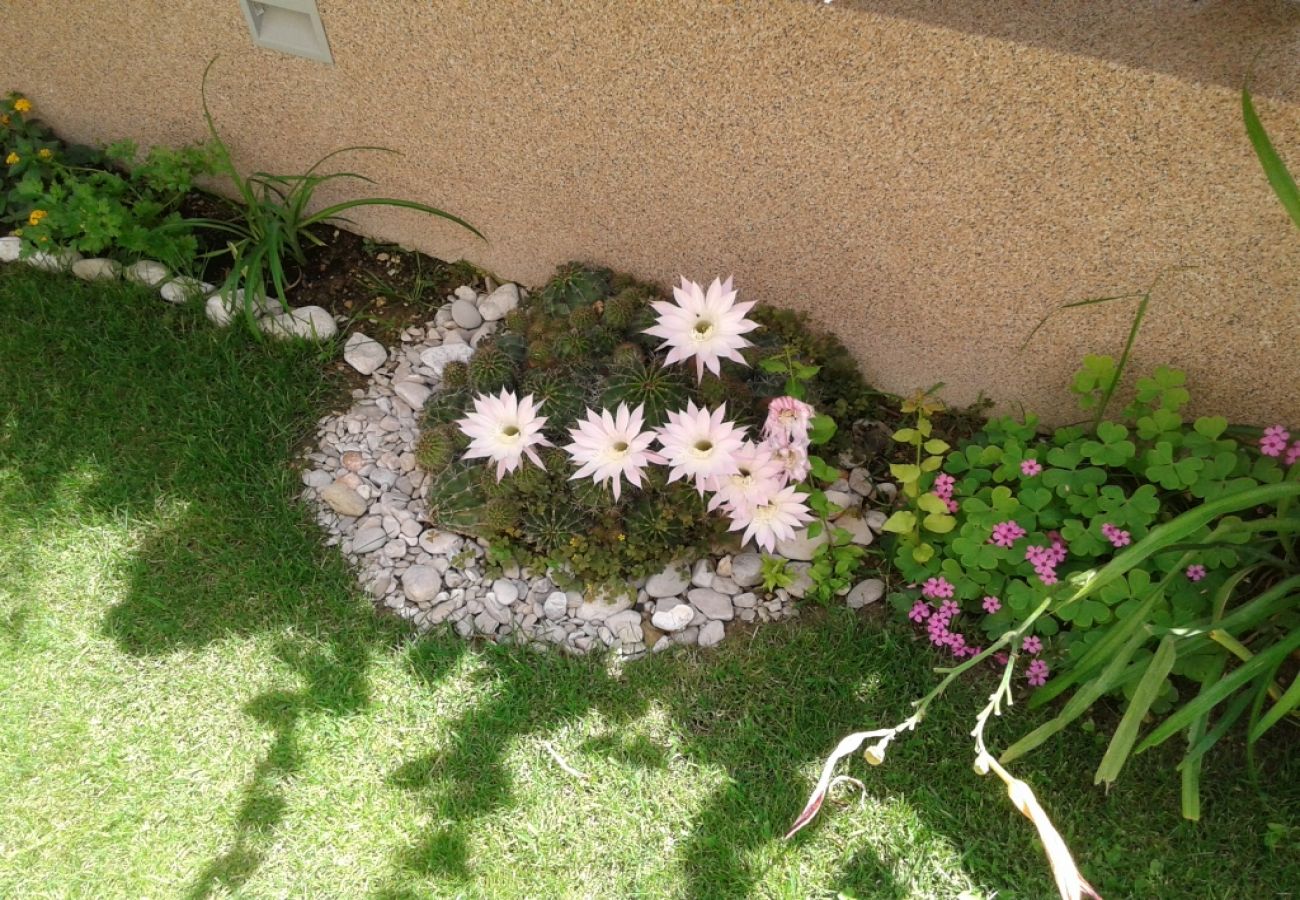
(1274, 169)
(1284, 705)
(1121, 743)
(1261, 663)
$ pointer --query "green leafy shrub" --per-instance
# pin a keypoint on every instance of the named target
(101, 203)
(578, 344)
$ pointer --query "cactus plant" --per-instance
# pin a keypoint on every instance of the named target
(455, 375)
(573, 286)
(551, 527)
(658, 388)
(438, 446)
(491, 370)
(456, 498)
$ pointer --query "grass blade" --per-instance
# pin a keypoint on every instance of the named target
(1285, 704)
(332, 211)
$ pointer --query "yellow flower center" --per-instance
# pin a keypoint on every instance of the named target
(510, 434)
(702, 449)
(765, 513)
(702, 331)
(618, 450)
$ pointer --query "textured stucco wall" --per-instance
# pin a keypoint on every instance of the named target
(927, 178)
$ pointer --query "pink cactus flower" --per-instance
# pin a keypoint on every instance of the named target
(1030, 467)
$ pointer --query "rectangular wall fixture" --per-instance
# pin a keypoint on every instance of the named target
(290, 26)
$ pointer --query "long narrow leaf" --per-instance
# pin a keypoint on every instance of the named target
(1274, 168)
(1225, 721)
(1260, 664)
(331, 211)
(1190, 769)
(1079, 703)
(1121, 743)
(1285, 704)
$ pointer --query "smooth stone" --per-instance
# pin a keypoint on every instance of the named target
(800, 547)
(97, 269)
(343, 500)
(724, 567)
(222, 308)
(10, 248)
(888, 492)
(148, 272)
(674, 619)
(861, 532)
(860, 482)
(308, 322)
(465, 292)
(501, 301)
(364, 353)
(421, 583)
(702, 573)
(876, 519)
(801, 583)
(412, 392)
(317, 478)
(436, 358)
(865, 593)
(441, 543)
(747, 569)
(505, 590)
(712, 604)
(599, 610)
(711, 633)
(724, 585)
(668, 583)
(368, 540)
(556, 605)
(745, 601)
(465, 314)
(182, 288)
(58, 261)
(842, 499)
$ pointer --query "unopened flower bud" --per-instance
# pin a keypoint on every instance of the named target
(982, 764)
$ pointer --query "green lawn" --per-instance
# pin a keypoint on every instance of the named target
(194, 701)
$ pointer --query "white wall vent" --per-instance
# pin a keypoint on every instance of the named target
(290, 26)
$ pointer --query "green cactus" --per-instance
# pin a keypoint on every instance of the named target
(626, 355)
(456, 497)
(500, 515)
(541, 354)
(527, 480)
(438, 447)
(516, 321)
(561, 394)
(715, 391)
(591, 496)
(574, 285)
(552, 527)
(661, 390)
(571, 346)
(623, 310)
(583, 318)
(491, 370)
(446, 406)
(455, 374)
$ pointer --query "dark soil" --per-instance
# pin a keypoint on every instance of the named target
(380, 287)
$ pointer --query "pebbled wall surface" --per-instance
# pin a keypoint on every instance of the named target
(927, 178)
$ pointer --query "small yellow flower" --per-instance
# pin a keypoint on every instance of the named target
(45, 153)
(13, 159)
(23, 105)
(36, 216)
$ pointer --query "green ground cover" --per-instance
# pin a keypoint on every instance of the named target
(195, 701)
